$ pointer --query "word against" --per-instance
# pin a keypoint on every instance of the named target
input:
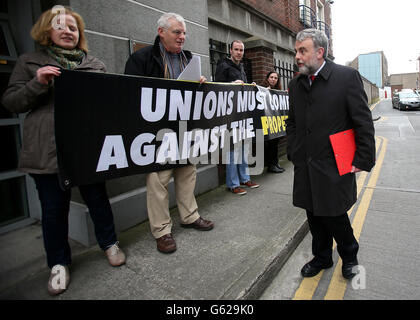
(224, 309)
(59, 279)
(359, 280)
(186, 145)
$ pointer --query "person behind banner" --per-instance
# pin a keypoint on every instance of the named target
(232, 70)
(166, 59)
(272, 81)
(324, 99)
(60, 34)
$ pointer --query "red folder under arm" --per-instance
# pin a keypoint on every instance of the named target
(344, 147)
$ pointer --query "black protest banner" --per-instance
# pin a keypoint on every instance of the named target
(110, 125)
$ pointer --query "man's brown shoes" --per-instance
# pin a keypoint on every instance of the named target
(200, 224)
(166, 243)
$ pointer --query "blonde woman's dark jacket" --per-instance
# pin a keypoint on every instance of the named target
(25, 94)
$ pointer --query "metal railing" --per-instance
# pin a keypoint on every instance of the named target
(307, 16)
(285, 71)
(324, 27)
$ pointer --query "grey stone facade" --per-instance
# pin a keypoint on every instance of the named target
(111, 24)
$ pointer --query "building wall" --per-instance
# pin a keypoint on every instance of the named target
(284, 12)
(111, 24)
(385, 77)
(373, 66)
(370, 67)
(404, 81)
(372, 91)
(267, 28)
(355, 63)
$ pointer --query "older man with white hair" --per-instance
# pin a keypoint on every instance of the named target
(166, 59)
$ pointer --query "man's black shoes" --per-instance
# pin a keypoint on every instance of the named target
(309, 270)
(348, 269)
(275, 168)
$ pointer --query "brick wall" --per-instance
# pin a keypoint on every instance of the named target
(295, 25)
(262, 62)
(275, 9)
(285, 12)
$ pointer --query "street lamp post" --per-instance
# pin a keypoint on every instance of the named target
(418, 75)
(417, 70)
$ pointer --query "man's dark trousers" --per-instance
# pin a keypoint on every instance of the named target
(323, 230)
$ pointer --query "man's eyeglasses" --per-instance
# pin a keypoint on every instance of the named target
(179, 32)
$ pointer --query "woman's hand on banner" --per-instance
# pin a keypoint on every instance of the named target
(45, 75)
(203, 79)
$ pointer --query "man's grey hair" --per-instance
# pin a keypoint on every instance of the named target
(318, 37)
(163, 21)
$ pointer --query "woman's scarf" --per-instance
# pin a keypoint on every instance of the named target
(69, 59)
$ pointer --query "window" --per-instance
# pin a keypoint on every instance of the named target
(134, 46)
(13, 201)
(7, 48)
(9, 145)
(320, 12)
(13, 192)
(218, 51)
(306, 14)
(13, 197)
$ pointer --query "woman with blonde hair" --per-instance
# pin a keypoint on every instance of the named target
(60, 34)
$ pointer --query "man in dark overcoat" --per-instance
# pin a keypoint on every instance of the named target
(326, 98)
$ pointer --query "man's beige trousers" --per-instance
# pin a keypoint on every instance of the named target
(158, 198)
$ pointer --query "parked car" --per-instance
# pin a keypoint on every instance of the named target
(406, 100)
(406, 90)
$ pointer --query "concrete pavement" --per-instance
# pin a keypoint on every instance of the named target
(253, 236)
